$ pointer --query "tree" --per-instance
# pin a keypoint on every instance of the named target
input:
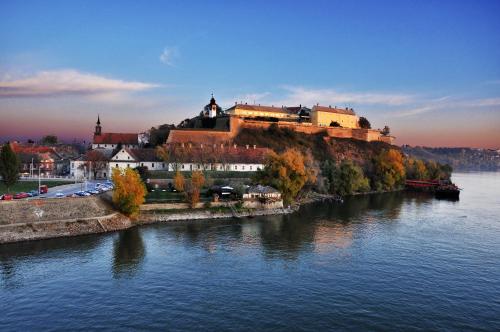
(9, 166)
(346, 179)
(286, 172)
(386, 131)
(179, 181)
(388, 170)
(129, 191)
(158, 135)
(143, 173)
(193, 192)
(334, 124)
(49, 140)
(364, 123)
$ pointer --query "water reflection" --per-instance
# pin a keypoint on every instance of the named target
(14, 254)
(315, 227)
(128, 253)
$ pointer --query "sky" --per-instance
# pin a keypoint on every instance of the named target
(430, 70)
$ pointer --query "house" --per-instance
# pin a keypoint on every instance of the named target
(112, 140)
(260, 192)
(325, 116)
(37, 159)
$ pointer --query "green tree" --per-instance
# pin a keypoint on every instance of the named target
(364, 123)
(49, 140)
(334, 124)
(9, 166)
(345, 179)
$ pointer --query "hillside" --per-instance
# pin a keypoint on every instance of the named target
(322, 148)
(465, 159)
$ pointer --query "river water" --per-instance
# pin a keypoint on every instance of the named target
(385, 262)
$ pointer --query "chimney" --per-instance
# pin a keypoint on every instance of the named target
(234, 146)
(254, 146)
(201, 145)
(246, 146)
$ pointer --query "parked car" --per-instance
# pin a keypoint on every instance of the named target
(20, 195)
(59, 195)
(93, 192)
(34, 193)
(44, 189)
(7, 197)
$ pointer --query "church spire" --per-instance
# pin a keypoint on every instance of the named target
(98, 127)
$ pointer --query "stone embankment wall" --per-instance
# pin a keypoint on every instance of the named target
(47, 218)
(152, 216)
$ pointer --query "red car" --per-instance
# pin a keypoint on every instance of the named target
(20, 195)
(7, 197)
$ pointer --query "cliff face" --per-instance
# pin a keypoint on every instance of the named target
(321, 147)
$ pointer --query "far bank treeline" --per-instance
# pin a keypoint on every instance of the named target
(334, 165)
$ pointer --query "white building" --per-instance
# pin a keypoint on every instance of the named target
(100, 163)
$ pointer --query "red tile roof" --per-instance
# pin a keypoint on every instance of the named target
(333, 110)
(218, 154)
(115, 138)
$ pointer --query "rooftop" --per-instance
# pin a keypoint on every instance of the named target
(115, 138)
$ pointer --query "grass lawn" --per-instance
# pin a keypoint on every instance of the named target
(159, 196)
(25, 186)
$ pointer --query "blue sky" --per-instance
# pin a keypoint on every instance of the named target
(428, 69)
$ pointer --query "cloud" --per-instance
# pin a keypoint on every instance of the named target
(169, 55)
(307, 96)
(67, 82)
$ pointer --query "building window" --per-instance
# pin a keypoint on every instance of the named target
(116, 165)
(235, 166)
(128, 165)
(128, 157)
(243, 167)
(142, 164)
(105, 145)
(250, 167)
(182, 166)
(163, 165)
(152, 165)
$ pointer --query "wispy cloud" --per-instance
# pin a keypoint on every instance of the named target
(66, 82)
(308, 96)
(169, 55)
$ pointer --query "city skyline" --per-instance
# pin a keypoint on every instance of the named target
(430, 71)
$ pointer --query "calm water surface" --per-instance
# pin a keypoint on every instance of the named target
(384, 262)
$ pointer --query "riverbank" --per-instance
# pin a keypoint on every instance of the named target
(52, 218)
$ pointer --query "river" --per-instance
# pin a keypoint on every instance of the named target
(391, 262)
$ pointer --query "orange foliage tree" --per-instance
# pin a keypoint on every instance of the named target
(179, 181)
(389, 170)
(288, 172)
(129, 191)
(193, 194)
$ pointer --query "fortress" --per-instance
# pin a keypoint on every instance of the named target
(213, 126)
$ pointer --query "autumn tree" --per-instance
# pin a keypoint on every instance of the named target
(179, 181)
(388, 170)
(129, 191)
(286, 172)
(193, 192)
(9, 166)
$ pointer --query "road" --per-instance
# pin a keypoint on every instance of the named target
(68, 189)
